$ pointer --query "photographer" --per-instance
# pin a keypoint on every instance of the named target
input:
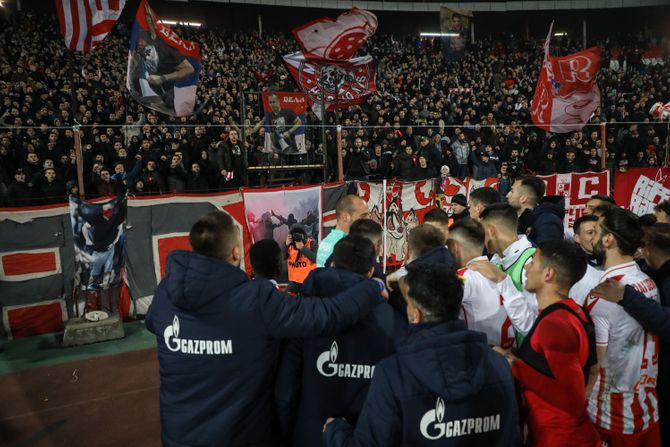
(300, 256)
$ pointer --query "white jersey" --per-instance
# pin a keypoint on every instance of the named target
(582, 288)
(483, 309)
(624, 397)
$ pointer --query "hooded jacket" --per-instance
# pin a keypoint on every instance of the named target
(438, 255)
(444, 387)
(325, 376)
(218, 344)
(547, 220)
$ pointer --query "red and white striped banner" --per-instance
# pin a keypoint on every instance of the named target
(29, 264)
(85, 23)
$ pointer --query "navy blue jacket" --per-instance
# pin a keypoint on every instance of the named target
(547, 220)
(655, 318)
(438, 255)
(326, 376)
(218, 346)
(444, 387)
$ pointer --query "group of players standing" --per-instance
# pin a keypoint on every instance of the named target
(486, 336)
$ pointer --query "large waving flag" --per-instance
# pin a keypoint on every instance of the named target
(338, 39)
(340, 84)
(85, 23)
(163, 68)
(566, 94)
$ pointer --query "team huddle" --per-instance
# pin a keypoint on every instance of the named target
(503, 328)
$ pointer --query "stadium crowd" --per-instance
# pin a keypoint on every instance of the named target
(416, 127)
(545, 341)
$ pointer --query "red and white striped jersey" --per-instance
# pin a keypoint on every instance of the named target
(85, 23)
(624, 397)
(483, 309)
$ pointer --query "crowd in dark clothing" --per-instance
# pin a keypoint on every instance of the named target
(409, 130)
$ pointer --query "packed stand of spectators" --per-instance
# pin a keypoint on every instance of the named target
(414, 128)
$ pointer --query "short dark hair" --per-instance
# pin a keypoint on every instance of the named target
(663, 206)
(423, 238)
(502, 213)
(567, 258)
(485, 195)
(436, 215)
(603, 208)
(603, 198)
(436, 290)
(533, 185)
(214, 235)
(657, 237)
(367, 228)
(354, 253)
(266, 259)
(470, 230)
(576, 227)
(625, 228)
(647, 220)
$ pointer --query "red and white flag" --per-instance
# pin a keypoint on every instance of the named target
(339, 85)
(566, 94)
(85, 23)
(338, 39)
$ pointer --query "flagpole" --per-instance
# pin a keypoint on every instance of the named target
(79, 157)
(324, 151)
(603, 147)
(340, 164)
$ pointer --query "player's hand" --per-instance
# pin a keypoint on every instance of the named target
(328, 421)
(155, 80)
(488, 270)
(224, 172)
(610, 290)
(391, 281)
(511, 358)
(384, 293)
(286, 135)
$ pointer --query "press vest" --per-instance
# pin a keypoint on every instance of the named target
(298, 265)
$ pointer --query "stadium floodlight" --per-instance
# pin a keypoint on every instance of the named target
(439, 34)
(174, 22)
(560, 34)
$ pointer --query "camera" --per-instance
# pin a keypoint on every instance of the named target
(298, 237)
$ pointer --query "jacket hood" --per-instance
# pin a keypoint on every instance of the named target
(438, 255)
(193, 281)
(551, 205)
(447, 358)
(331, 281)
(297, 227)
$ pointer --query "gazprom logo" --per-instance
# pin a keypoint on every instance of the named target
(433, 427)
(196, 347)
(327, 366)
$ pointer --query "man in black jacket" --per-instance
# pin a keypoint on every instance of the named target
(218, 338)
(443, 387)
(320, 377)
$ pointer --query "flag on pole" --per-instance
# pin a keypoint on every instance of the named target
(340, 84)
(85, 23)
(337, 39)
(163, 68)
(566, 94)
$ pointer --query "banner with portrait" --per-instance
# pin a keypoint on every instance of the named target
(284, 122)
(270, 213)
(455, 26)
(163, 68)
(99, 240)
